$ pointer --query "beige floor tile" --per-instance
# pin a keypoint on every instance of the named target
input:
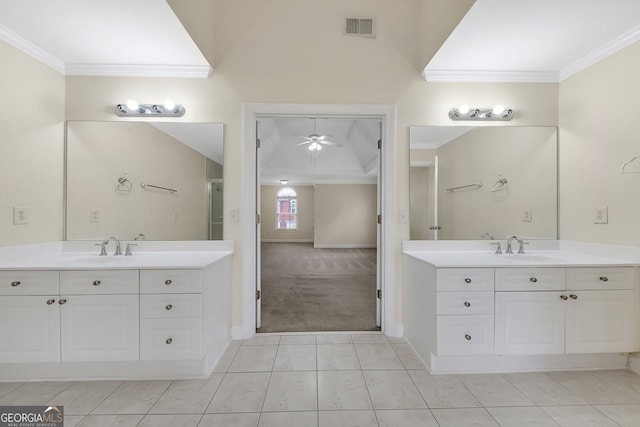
(295, 358)
(188, 396)
(396, 340)
(408, 357)
(132, 397)
(339, 390)
(625, 415)
(83, 397)
(406, 418)
(262, 340)
(334, 339)
(542, 390)
(297, 339)
(393, 390)
(590, 388)
(240, 392)
(522, 417)
(39, 393)
(443, 391)
(288, 419)
(494, 390)
(624, 380)
(226, 359)
(8, 387)
(578, 416)
(347, 419)
(464, 417)
(108, 421)
(377, 356)
(73, 420)
(369, 339)
(230, 420)
(337, 357)
(170, 421)
(254, 358)
(291, 391)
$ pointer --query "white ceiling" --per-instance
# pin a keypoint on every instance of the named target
(534, 41)
(205, 138)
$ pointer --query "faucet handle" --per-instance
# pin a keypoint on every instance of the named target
(103, 249)
(127, 251)
(498, 247)
(521, 248)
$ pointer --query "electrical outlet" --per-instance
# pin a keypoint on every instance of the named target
(601, 215)
(527, 215)
(234, 215)
(20, 216)
(94, 215)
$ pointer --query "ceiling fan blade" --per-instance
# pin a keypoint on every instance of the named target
(302, 143)
(331, 143)
(324, 137)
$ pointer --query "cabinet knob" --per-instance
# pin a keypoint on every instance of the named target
(167, 282)
(533, 279)
(604, 278)
(467, 304)
(564, 297)
(169, 341)
(573, 296)
(467, 337)
(15, 283)
(50, 301)
(96, 282)
(467, 280)
(62, 301)
(168, 307)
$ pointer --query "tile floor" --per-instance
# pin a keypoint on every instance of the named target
(341, 380)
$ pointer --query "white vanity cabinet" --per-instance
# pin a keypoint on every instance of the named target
(29, 316)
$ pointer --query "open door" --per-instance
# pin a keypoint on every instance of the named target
(379, 235)
(258, 235)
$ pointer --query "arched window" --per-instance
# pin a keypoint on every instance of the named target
(287, 209)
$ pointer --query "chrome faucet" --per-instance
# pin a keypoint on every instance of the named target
(105, 242)
(140, 237)
(520, 242)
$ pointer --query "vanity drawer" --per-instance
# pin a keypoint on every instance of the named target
(465, 279)
(170, 339)
(170, 306)
(29, 282)
(459, 335)
(596, 278)
(530, 279)
(464, 303)
(170, 281)
(98, 282)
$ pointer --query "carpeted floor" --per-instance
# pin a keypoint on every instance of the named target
(310, 290)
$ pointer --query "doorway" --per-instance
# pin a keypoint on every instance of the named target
(318, 233)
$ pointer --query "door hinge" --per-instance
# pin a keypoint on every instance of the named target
(258, 295)
(257, 219)
(379, 219)
(257, 142)
(379, 144)
(379, 293)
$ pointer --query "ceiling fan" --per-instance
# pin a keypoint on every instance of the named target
(316, 141)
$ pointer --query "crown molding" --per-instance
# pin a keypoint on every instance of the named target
(30, 49)
(601, 53)
(124, 70)
(481, 76)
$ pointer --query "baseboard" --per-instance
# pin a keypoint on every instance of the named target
(343, 246)
(634, 362)
(286, 240)
(396, 331)
(240, 333)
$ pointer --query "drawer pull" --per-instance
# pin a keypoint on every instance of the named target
(16, 283)
(604, 278)
(50, 301)
(169, 341)
(168, 307)
(62, 301)
(533, 279)
(167, 282)
(467, 337)
(467, 280)
(564, 297)
(573, 296)
(96, 282)
(467, 304)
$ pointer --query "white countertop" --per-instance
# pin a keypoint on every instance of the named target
(541, 254)
(85, 256)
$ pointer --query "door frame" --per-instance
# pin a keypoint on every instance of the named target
(251, 112)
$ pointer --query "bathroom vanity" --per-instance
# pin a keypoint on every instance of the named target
(560, 306)
(68, 313)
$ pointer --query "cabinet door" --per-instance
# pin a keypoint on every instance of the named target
(99, 327)
(29, 329)
(530, 322)
(601, 322)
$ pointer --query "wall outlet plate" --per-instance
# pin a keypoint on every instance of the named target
(527, 215)
(20, 216)
(601, 215)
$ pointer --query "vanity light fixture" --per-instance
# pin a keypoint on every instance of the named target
(132, 109)
(464, 112)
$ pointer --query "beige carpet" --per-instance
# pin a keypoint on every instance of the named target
(309, 290)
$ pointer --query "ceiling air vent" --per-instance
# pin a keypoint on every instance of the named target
(362, 27)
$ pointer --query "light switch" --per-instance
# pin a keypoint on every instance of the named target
(403, 216)
(234, 215)
(601, 215)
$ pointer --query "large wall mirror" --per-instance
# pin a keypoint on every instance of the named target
(160, 179)
(485, 182)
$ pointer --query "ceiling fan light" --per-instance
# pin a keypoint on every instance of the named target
(314, 146)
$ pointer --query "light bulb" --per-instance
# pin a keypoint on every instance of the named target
(132, 105)
(315, 146)
(498, 109)
(464, 109)
(169, 104)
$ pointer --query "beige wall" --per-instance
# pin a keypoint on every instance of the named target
(98, 153)
(268, 231)
(345, 215)
(598, 133)
(31, 147)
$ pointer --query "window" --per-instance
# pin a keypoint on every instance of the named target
(287, 209)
